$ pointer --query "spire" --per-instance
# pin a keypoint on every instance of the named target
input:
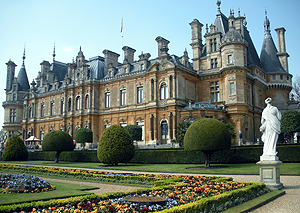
(23, 64)
(267, 25)
(54, 52)
(22, 76)
(218, 4)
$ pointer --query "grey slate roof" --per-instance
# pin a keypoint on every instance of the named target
(268, 56)
(60, 69)
(23, 79)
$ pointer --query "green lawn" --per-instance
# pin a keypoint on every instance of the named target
(249, 168)
(62, 190)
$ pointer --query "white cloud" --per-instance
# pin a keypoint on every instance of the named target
(68, 49)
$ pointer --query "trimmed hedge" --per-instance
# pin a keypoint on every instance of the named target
(288, 153)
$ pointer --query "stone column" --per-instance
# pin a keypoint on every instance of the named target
(174, 124)
(151, 127)
(155, 127)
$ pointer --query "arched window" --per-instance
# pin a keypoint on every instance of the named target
(164, 132)
(42, 110)
(87, 102)
(52, 109)
(107, 99)
(30, 112)
(78, 103)
(69, 104)
(62, 105)
(163, 91)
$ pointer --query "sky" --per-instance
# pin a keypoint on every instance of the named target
(95, 25)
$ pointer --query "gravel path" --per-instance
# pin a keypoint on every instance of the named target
(103, 187)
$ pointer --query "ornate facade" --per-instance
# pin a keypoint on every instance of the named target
(225, 80)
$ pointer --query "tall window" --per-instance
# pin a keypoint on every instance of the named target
(123, 97)
(273, 77)
(62, 105)
(14, 97)
(211, 45)
(229, 59)
(214, 63)
(163, 92)
(232, 88)
(86, 106)
(214, 91)
(30, 112)
(78, 103)
(42, 110)
(215, 44)
(52, 109)
(140, 95)
(107, 100)
(13, 115)
(42, 134)
(69, 104)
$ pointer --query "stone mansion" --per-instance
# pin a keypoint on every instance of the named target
(224, 79)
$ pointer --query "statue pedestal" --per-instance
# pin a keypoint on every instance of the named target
(270, 172)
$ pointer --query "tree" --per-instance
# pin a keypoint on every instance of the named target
(296, 89)
(231, 130)
(115, 146)
(15, 149)
(290, 121)
(58, 141)
(207, 135)
(181, 130)
(135, 132)
(83, 136)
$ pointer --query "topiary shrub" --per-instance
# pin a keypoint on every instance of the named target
(15, 149)
(58, 141)
(84, 135)
(135, 132)
(115, 146)
(207, 135)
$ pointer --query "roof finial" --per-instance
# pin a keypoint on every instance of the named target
(218, 4)
(24, 55)
(54, 52)
(239, 12)
(267, 25)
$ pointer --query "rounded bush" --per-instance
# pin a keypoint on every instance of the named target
(57, 141)
(207, 134)
(15, 149)
(135, 131)
(84, 135)
(115, 146)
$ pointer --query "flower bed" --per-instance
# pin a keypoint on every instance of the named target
(183, 194)
(23, 183)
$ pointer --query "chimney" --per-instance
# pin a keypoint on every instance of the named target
(282, 54)
(162, 47)
(196, 44)
(111, 58)
(128, 54)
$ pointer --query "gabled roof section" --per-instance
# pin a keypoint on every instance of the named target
(221, 23)
(268, 56)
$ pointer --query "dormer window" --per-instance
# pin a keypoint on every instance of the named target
(274, 77)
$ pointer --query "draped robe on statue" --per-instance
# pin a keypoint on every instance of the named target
(270, 128)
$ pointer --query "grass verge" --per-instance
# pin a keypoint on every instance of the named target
(256, 202)
(63, 190)
(230, 169)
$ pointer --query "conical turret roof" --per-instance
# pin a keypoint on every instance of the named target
(22, 77)
(268, 56)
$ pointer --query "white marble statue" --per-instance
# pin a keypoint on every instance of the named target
(270, 128)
